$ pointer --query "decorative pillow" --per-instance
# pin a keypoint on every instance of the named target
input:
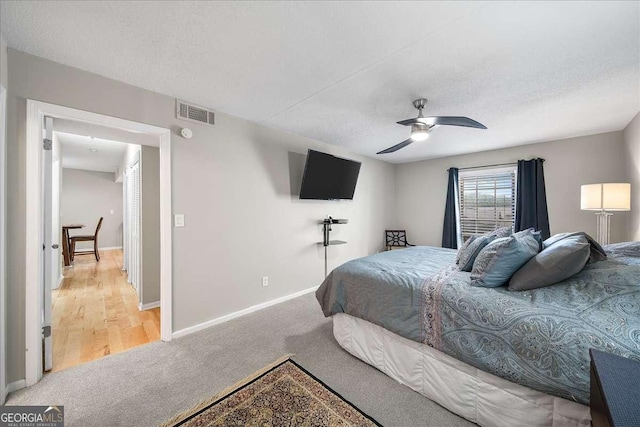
(531, 232)
(468, 256)
(497, 262)
(464, 247)
(501, 232)
(554, 264)
(597, 253)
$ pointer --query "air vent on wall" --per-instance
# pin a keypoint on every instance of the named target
(194, 113)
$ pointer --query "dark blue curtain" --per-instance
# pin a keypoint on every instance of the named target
(531, 201)
(450, 229)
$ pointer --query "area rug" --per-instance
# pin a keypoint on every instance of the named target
(281, 394)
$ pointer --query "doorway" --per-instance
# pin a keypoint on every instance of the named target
(97, 303)
(36, 234)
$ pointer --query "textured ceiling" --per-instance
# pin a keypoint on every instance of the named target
(77, 154)
(345, 72)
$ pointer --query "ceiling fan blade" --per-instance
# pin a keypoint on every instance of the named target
(444, 121)
(396, 147)
(409, 122)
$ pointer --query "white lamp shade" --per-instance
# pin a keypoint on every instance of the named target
(608, 197)
(591, 197)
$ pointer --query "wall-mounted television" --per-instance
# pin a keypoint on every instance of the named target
(328, 177)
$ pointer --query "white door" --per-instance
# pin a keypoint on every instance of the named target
(56, 231)
(125, 220)
(47, 189)
(133, 227)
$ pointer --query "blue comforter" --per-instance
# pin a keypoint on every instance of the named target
(538, 338)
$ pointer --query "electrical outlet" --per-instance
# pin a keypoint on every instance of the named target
(265, 281)
(112, 211)
(178, 220)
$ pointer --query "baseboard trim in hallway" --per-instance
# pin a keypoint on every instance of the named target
(239, 313)
(110, 248)
(148, 306)
(15, 386)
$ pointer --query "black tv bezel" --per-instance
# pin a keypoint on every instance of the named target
(304, 175)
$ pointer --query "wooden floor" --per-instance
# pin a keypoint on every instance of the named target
(95, 312)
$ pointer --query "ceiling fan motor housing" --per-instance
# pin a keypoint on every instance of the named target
(419, 127)
(420, 103)
(420, 132)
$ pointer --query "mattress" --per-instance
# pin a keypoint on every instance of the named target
(539, 339)
(476, 395)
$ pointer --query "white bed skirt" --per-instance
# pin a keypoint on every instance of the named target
(469, 392)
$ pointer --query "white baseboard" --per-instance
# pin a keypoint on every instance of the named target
(227, 317)
(15, 386)
(60, 279)
(106, 248)
(148, 306)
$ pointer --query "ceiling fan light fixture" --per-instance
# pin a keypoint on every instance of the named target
(419, 132)
(421, 126)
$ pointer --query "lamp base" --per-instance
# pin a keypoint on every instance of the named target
(604, 222)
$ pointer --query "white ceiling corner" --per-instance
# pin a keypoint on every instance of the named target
(345, 72)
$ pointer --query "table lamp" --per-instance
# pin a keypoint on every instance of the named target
(605, 198)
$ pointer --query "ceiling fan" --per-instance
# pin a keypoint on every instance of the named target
(421, 126)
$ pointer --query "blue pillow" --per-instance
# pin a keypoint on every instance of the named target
(531, 232)
(501, 232)
(500, 259)
(554, 264)
(597, 253)
(464, 247)
(469, 252)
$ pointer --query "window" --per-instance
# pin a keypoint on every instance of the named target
(487, 199)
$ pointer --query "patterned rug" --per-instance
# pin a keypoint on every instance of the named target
(281, 394)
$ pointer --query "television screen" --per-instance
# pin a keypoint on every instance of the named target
(328, 177)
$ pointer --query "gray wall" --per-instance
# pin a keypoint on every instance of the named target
(422, 186)
(150, 222)
(85, 197)
(3, 63)
(236, 185)
(632, 156)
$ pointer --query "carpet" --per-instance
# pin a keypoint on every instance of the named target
(283, 393)
(148, 385)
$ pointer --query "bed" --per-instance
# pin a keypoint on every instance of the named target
(490, 355)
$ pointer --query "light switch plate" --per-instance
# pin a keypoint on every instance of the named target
(178, 220)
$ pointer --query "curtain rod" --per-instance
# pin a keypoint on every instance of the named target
(495, 165)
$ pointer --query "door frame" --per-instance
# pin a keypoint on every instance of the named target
(36, 111)
(3, 240)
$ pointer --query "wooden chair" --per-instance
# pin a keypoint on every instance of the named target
(93, 239)
(396, 239)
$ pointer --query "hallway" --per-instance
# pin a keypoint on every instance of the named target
(95, 312)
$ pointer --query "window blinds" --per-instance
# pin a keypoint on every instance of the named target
(487, 200)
